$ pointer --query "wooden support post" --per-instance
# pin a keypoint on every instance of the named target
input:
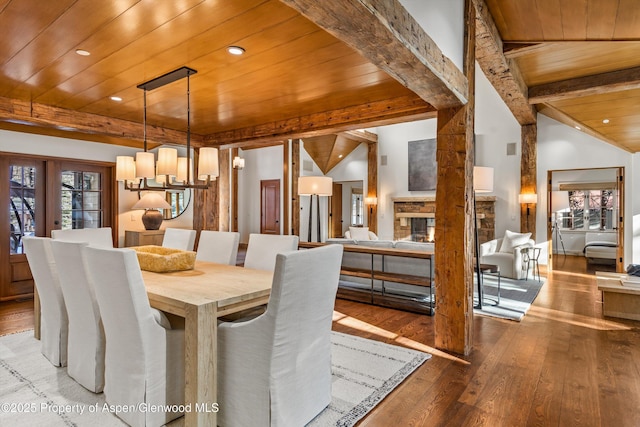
(224, 184)
(234, 193)
(286, 229)
(528, 182)
(372, 186)
(295, 199)
(454, 215)
(206, 206)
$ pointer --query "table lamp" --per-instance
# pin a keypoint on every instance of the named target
(152, 218)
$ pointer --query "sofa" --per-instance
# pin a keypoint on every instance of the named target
(600, 247)
(507, 254)
(392, 279)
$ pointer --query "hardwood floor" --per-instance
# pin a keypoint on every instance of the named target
(563, 365)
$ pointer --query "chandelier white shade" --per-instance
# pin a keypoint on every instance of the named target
(315, 185)
(238, 162)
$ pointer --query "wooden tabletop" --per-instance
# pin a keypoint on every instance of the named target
(208, 282)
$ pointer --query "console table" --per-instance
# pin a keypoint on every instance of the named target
(143, 237)
(413, 293)
(618, 299)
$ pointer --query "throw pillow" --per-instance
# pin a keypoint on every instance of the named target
(511, 240)
(359, 233)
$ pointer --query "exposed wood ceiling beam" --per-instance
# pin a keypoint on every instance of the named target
(550, 111)
(502, 72)
(380, 113)
(361, 136)
(76, 122)
(388, 36)
(588, 85)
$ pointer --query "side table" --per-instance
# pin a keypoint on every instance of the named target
(530, 259)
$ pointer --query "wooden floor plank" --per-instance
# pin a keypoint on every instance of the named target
(563, 365)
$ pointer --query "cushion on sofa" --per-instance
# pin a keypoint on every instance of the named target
(511, 240)
(359, 233)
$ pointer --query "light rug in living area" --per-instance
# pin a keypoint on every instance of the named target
(35, 393)
(516, 296)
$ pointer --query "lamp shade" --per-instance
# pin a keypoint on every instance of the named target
(370, 200)
(152, 200)
(559, 200)
(125, 168)
(167, 161)
(482, 179)
(528, 198)
(145, 165)
(208, 163)
(319, 185)
(238, 162)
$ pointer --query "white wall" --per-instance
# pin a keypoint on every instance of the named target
(443, 21)
(495, 128)
(260, 164)
(563, 147)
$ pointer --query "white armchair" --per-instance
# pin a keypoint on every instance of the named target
(506, 253)
(275, 369)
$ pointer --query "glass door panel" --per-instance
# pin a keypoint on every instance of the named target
(82, 198)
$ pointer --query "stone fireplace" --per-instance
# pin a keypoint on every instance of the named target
(414, 218)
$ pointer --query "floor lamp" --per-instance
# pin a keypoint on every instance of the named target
(315, 186)
(482, 183)
(559, 202)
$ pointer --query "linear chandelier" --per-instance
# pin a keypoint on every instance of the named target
(170, 172)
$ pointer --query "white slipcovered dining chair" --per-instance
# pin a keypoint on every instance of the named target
(54, 321)
(101, 237)
(144, 358)
(218, 246)
(179, 238)
(263, 248)
(85, 353)
(275, 369)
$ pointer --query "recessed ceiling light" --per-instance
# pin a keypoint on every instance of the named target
(577, 127)
(340, 156)
(235, 50)
(116, 98)
(605, 121)
(83, 52)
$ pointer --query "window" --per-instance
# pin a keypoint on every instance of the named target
(590, 210)
(80, 198)
(357, 209)
(22, 204)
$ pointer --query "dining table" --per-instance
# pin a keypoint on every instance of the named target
(201, 296)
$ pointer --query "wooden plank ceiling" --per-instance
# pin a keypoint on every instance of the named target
(580, 60)
(294, 75)
(306, 71)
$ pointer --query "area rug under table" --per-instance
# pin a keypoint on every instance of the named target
(516, 297)
(35, 393)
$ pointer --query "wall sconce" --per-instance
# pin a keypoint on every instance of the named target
(238, 162)
(528, 198)
(371, 201)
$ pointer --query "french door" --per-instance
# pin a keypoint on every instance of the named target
(45, 194)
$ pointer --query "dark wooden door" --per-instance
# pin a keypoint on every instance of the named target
(270, 206)
(45, 194)
(336, 211)
(25, 197)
